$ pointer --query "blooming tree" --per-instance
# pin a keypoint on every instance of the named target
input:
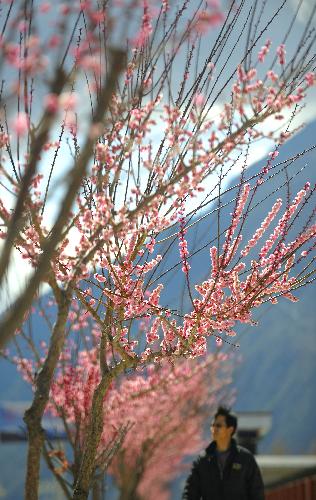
(141, 445)
(141, 154)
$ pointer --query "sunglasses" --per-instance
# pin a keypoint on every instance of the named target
(218, 426)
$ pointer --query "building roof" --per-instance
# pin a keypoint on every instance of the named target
(255, 421)
(279, 468)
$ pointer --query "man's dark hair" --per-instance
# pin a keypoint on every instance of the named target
(230, 418)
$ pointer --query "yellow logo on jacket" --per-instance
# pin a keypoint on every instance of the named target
(236, 466)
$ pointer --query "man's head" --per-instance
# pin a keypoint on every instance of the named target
(223, 427)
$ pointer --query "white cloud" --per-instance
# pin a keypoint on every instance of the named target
(305, 10)
(17, 276)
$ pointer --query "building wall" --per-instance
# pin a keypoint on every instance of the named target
(300, 489)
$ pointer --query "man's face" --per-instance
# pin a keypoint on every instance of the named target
(220, 431)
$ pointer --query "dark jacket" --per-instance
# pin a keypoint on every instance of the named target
(241, 477)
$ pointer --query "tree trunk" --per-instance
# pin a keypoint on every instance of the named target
(96, 490)
(33, 416)
(83, 482)
(35, 446)
(128, 492)
(130, 479)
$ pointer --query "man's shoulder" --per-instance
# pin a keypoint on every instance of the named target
(243, 450)
(245, 454)
(203, 457)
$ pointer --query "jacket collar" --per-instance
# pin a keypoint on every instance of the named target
(211, 449)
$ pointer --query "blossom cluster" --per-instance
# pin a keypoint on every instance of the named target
(182, 389)
(140, 154)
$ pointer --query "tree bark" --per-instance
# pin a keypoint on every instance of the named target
(84, 479)
(33, 416)
(129, 489)
(130, 481)
(96, 490)
(129, 493)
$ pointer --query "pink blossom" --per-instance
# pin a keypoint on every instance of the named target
(45, 7)
(252, 73)
(281, 54)
(21, 124)
(51, 103)
(180, 389)
(97, 16)
(64, 9)
(281, 225)
(4, 138)
(206, 20)
(146, 29)
(183, 246)
(264, 226)
(68, 101)
(274, 154)
(310, 79)
(12, 54)
(242, 77)
(90, 63)
(151, 245)
(22, 26)
(153, 335)
(272, 75)
(264, 51)
(100, 278)
(199, 99)
(165, 5)
(238, 211)
(54, 41)
(214, 4)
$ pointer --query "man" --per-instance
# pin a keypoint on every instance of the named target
(225, 471)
